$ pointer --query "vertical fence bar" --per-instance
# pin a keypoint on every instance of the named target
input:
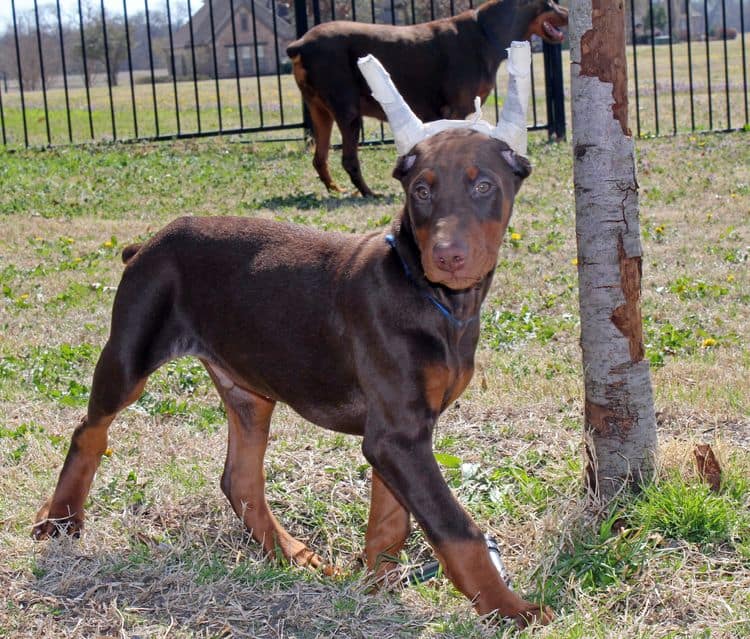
(277, 58)
(109, 71)
(195, 69)
(2, 112)
(708, 65)
(64, 71)
(726, 61)
(151, 67)
(690, 64)
(237, 67)
(533, 93)
(174, 69)
(300, 22)
(130, 65)
(333, 9)
(257, 66)
(635, 69)
(653, 64)
(20, 74)
(354, 10)
(413, 13)
(744, 61)
(553, 74)
(216, 65)
(671, 67)
(41, 71)
(84, 58)
(316, 11)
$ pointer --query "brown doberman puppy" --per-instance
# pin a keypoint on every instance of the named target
(438, 67)
(371, 335)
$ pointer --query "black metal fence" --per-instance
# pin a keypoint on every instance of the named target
(74, 71)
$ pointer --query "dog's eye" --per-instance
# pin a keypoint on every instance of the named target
(422, 192)
(483, 187)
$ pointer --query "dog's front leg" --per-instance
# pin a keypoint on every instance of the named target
(404, 460)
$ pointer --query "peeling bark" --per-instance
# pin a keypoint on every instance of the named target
(627, 316)
(619, 426)
(603, 54)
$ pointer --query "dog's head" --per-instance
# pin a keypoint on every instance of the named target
(460, 187)
(549, 17)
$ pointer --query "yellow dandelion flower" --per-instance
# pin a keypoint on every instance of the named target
(108, 244)
(574, 261)
(659, 229)
(708, 342)
(108, 452)
(24, 296)
(515, 236)
(730, 278)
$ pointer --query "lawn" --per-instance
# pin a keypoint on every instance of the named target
(163, 555)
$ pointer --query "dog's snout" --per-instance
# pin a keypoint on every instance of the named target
(450, 256)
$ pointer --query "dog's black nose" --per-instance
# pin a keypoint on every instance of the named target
(449, 256)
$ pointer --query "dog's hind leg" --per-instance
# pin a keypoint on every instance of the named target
(145, 333)
(322, 120)
(243, 479)
(350, 124)
(387, 528)
(116, 385)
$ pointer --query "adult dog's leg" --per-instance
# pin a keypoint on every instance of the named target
(387, 528)
(116, 385)
(350, 124)
(243, 480)
(322, 120)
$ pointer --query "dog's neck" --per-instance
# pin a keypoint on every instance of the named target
(459, 307)
(502, 22)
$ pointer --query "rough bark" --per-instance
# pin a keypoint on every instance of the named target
(619, 423)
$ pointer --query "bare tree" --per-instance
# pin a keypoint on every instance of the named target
(106, 44)
(619, 424)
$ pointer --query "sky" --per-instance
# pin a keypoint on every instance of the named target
(70, 7)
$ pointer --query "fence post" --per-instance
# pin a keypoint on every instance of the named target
(553, 78)
(300, 19)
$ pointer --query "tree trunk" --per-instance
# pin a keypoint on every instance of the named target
(619, 423)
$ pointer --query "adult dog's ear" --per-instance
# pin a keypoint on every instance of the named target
(404, 165)
(520, 166)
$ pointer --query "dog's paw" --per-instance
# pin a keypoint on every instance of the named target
(46, 525)
(534, 615)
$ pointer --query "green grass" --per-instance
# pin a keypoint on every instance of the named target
(163, 554)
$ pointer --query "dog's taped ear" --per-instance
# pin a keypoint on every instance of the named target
(520, 166)
(403, 166)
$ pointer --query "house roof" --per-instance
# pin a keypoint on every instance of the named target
(222, 14)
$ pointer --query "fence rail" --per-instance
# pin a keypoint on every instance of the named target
(74, 71)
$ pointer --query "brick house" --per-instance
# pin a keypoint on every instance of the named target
(249, 47)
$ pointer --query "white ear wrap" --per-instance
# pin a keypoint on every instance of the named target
(409, 130)
(511, 127)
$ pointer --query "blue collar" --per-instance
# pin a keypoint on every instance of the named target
(444, 310)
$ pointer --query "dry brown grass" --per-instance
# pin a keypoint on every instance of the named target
(163, 555)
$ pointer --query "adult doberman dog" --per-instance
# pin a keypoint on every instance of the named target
(371, 335)
(438, 67)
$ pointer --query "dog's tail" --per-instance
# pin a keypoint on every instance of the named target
(129, 252)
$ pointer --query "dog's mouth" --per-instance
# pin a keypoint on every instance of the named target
(552, 32)
(547, 25)
(456, 281)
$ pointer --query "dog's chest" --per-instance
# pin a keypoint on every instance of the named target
(443, 384)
